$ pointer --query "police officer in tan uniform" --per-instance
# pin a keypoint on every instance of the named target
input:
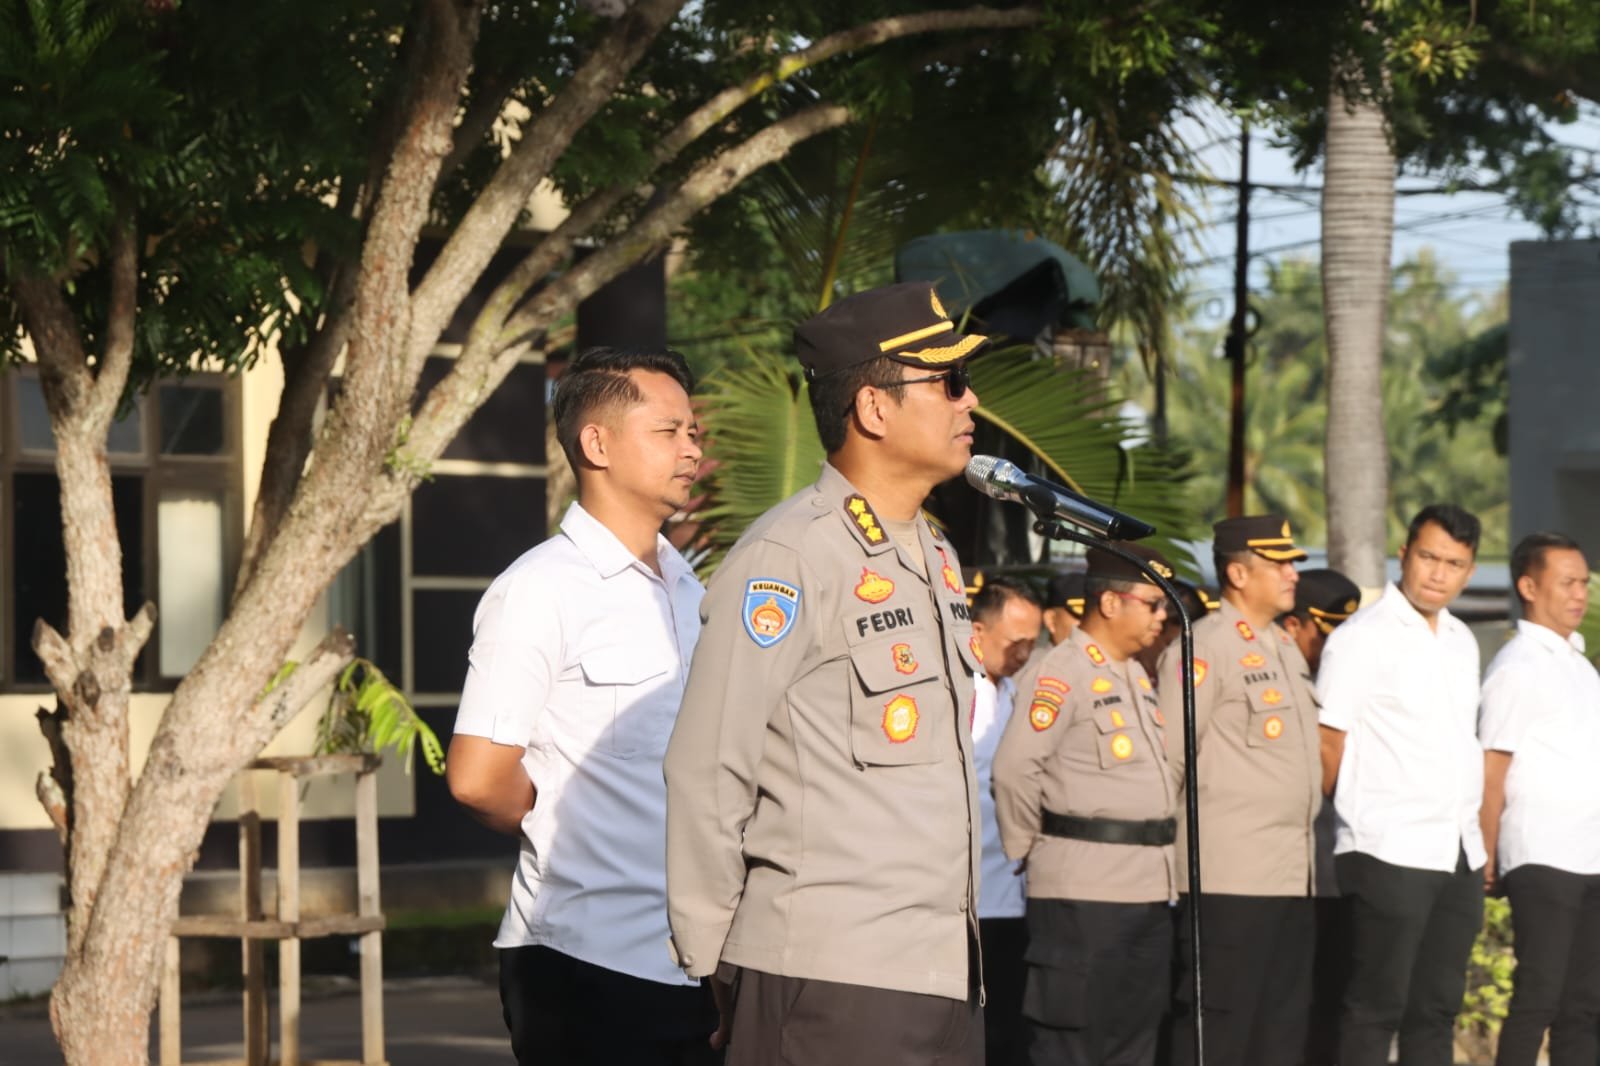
(822, 815)
(1260, 782)
(1083, 792)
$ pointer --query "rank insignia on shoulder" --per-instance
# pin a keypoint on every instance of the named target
(952, 580)
(1272, 728)
(1253, 660)
(900, 719)
(1095, 655)
(1272, 697)
(874, 588)
(975, 648)
(904, 660)
(866, 520)
(1121, 747)
(1244, 630)
(770, 610)
(1101, 685)
(1042, 715)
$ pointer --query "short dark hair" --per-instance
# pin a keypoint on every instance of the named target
(833, 395)
(1220, 561)
(1527, 558)
(991, 599)
(1461, 524)
(597, 380)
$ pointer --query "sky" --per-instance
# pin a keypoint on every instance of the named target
(1469, 232)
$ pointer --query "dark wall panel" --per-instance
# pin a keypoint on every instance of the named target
(509, 427)
(443, 633)
(474, 526)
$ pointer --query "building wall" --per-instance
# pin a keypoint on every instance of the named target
(1554, 370)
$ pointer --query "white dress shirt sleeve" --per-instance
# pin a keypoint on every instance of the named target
(1344, 680)
(1508, 708)
(514, 661)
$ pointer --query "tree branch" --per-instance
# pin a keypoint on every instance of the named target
(116, 361)
(486, 99)
(332, 654)
(485, 225)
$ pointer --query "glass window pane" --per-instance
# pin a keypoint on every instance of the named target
(126, 436)
(191, 420)
(189, 539)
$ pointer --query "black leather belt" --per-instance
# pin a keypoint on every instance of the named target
(1150, 831)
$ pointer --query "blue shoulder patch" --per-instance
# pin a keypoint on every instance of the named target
(770, 609)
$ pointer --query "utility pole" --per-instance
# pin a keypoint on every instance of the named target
(1238, 330)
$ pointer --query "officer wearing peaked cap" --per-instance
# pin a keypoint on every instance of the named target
(822, 814)
(1259, 777)
(1322, 600)
(1084, 795)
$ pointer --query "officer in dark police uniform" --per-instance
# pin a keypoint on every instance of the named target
(822, 816)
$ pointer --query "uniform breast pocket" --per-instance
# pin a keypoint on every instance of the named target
(1116, 739)
(1270, 714)
(898, 716)
(624, 709)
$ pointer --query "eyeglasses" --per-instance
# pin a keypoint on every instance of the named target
(956, 380)
(1157, 604)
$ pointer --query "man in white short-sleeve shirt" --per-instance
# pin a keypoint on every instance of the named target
(1398, 689)
(579, 655)
(1006, 617)
(1540, 730)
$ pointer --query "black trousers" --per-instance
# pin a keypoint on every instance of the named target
(1555, 919)
(1004, 1038)
(798, 1021)
(1330, 969)
(1097, 982)
(564, 1012)
(1411, 934)
(1257, 958)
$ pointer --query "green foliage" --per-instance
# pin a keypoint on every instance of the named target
(1452, 457)
(367, 713)
(1489, 970)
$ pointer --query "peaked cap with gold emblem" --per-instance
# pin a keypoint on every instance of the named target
(1267, 535)
(904, 322)
(1109, 567)
(1066, 590)
(1327, 597)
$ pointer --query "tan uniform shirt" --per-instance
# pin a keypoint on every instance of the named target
(822, 813)
(1260, 761)
(1086, 738)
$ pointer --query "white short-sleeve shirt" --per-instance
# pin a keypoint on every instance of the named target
(1406, 697)
(1001, 889)
(1541, 703)
(579, 654)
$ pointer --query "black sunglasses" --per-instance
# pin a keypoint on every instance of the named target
(956, 381)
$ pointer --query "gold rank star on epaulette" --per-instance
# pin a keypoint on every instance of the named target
(866, 521)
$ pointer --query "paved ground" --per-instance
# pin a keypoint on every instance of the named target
(429, 1022)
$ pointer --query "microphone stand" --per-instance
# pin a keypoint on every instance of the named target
(1048, 526)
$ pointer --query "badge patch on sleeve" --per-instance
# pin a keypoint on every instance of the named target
(900, 719)
(1199, 672)
(1042, 715)
(770, 610)
(1054, 684)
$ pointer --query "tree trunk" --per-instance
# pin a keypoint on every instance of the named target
(1357, 234)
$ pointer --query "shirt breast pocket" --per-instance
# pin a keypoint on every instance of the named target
(622, 710)
(1269, 715)
(1115, 739)
(898, 716)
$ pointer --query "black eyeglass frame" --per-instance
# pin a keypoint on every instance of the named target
(957, 380)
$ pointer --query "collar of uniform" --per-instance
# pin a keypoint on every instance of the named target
(836, 491)
(606, 553)
(1546, 637)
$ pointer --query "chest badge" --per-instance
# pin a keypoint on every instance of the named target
(1244, 630)
(1095, 655)
(1101, 685)
(1117, 720)
(873, 587)
(975, 648)
(900, 719)
(865, 519)
(904, 661)
(770, 610)
(1272, 697)
(1144, 683)
(1272, 728)
(952, 580)
(1121, 747)
(1253, 660)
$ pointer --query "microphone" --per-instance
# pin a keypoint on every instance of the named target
(1006, 481)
